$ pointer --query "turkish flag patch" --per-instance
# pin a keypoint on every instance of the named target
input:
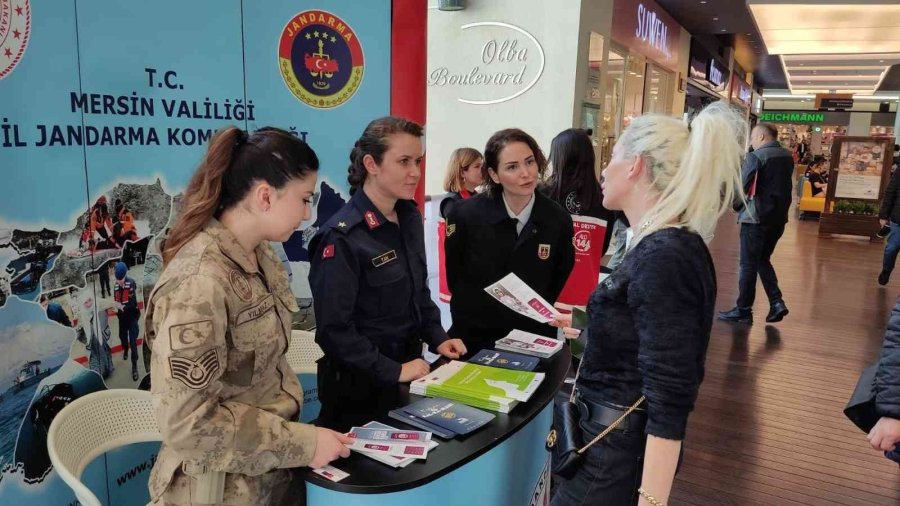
(328, 252)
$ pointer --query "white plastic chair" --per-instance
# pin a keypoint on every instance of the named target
(303, 352)
(93, 425)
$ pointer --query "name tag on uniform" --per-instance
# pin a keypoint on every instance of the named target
(252, 313)
(388, 257)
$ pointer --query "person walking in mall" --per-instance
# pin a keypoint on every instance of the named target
(650, 321)
(369, 282)
(219, 326)
(889, 216)
(766, 175)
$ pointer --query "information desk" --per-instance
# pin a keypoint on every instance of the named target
(502, 463)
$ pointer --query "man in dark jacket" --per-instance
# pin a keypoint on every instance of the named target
(766, 174)
(890, 215)
(886, 433)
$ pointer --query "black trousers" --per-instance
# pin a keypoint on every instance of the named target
(757, 245)
(351, 397)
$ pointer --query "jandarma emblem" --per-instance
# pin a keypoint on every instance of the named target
(321, 59)
(15, 27)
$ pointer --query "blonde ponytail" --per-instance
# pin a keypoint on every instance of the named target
(696, 169)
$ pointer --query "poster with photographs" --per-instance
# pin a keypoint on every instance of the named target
(860, 169)
(102, 127)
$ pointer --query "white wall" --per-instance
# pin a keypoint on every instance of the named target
(543, 111)
(859, 124)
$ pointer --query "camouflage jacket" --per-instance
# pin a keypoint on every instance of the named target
(224, 394)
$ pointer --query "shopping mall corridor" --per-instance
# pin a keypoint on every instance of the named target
(768, 427)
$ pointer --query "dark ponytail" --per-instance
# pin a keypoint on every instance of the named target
(234, 161)
(374, 142)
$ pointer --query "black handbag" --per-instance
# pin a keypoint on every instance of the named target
(565, 437)
(860, 408)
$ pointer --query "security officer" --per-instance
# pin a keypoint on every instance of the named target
(368, 279)
(218, 322)
(510, 228)
(125, 295)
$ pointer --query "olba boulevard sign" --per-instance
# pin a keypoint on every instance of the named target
(792, 117)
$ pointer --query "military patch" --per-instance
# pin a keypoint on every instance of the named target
(189, 335)
(195, 374)
(450, 229)
(543, 251)
(372, 220)
(252, 313)
(328, 252)
(380, 260)
(240, 285)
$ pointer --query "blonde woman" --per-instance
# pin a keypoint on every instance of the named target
(463, 176)
(649, 322)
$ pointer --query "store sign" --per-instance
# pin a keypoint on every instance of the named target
(716, 75)
(500, 62)
(644, 27)
(740, 91)
(836, 103)
(792, 117)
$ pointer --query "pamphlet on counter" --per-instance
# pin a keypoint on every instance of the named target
(480, 386)
(513, 293)
(529, 344)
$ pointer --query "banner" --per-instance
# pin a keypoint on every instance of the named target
(589, 241)
(107, 108)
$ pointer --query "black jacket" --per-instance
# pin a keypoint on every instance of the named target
(890, 206)
(648, 330)
(887, 379)
(775, 166)
(482, 247)
(370, 292)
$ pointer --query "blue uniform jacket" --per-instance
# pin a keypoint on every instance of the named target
(370, 293)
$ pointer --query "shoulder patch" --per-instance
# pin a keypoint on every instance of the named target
(328, 251)
(189, 335)
(195, 374)
(240, 285)
(451, 228)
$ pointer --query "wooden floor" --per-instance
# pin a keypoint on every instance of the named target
(768, 427)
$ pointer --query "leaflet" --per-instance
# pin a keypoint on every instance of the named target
(405, 450)
(389, 435)
(331, 473)
(513, 293)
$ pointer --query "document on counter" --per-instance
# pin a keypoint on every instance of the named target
(513, 293)
(331, 473)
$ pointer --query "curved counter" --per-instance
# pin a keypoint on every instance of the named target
(504, 462)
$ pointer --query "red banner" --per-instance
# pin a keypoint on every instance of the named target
(588, 241)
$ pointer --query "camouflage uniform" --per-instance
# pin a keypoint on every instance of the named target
(224, 394)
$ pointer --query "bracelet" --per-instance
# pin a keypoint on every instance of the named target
(652, 500)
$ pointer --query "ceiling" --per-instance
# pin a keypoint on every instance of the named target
(835, 34)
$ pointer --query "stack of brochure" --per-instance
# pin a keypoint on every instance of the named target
(529, 344)
(443, 417)
(390, 445)
(480, 386)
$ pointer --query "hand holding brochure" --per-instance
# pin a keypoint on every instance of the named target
(513, 293)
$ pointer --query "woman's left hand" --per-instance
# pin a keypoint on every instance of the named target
(452, 348)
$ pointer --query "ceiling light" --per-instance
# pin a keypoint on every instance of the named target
(723, 30)
(703, 1)
(715, 19)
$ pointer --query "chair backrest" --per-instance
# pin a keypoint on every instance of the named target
(807, 189)
(95, 424)
(303, 352)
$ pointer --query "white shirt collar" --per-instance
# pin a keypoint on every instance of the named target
(523, 216)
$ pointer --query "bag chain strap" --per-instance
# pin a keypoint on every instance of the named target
(613, 426)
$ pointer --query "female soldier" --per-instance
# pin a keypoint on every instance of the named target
(649, 321)
(463, 176)
(219, 324)
(507, 229)
(368, 279)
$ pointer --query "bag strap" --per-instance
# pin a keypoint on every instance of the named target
(615, 424)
